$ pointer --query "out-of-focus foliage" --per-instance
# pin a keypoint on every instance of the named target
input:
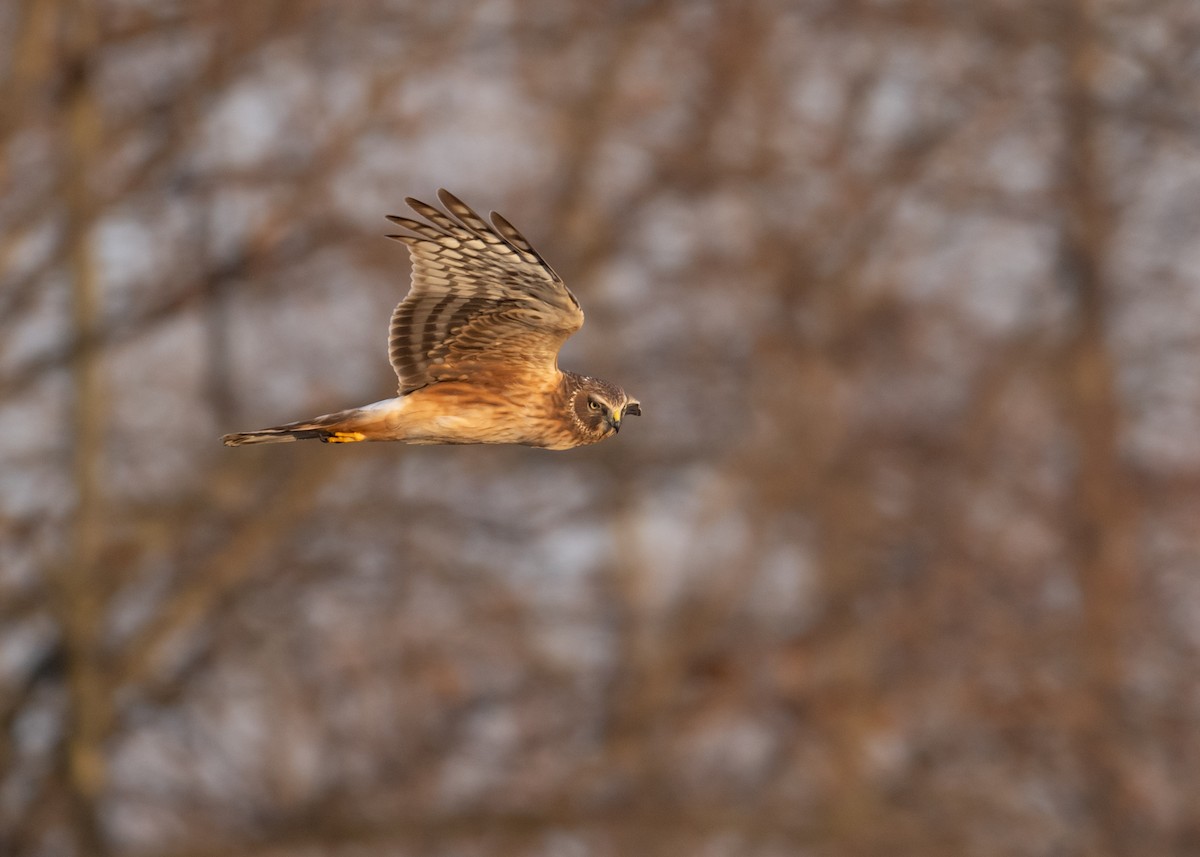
(901, 560)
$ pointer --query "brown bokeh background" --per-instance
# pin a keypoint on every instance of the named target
(902, 559)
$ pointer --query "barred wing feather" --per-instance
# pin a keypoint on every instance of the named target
(483, 303)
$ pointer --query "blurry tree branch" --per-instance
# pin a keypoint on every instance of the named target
(262, 521)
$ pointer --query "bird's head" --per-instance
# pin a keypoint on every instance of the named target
(599, 407)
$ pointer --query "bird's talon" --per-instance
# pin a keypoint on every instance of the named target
(345, 437)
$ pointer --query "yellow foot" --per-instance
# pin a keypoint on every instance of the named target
(345, 437)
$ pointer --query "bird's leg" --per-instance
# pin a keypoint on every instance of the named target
(345, 437)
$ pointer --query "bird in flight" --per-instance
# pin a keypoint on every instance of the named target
(475, 345)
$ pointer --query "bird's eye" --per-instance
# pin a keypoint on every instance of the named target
(593, 405)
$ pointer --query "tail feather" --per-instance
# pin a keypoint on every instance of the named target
(342, 427)
(275, 435)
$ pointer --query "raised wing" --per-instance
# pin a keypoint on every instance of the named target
(483, 303)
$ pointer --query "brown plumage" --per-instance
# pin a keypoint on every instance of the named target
(475, 345)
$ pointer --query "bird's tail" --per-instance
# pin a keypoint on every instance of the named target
(342, 427)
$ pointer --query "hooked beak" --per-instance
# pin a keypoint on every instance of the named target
(614, 418)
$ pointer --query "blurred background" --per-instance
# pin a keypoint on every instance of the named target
(902, 558)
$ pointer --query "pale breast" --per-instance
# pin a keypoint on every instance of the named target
(466, 413)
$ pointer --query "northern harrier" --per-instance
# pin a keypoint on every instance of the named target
(475, 344)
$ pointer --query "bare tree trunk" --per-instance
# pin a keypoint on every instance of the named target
(78, 593)
(1103, 512)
